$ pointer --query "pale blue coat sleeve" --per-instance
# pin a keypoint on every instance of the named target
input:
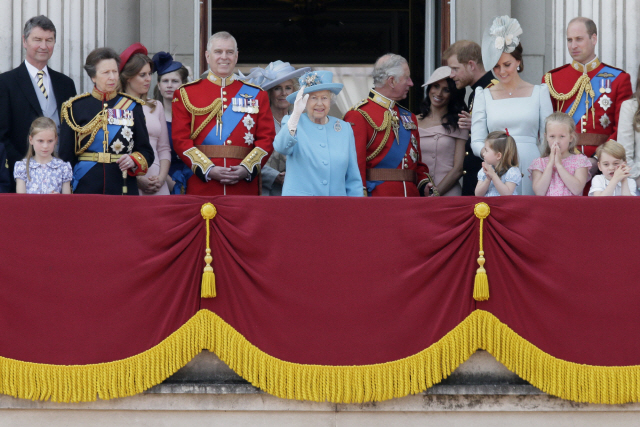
(479, 128)
(284, 142)
(353, 177)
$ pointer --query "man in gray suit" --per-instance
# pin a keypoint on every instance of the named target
(30, 91)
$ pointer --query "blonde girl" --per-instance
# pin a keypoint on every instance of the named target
(500, 174)
(559, 172)
(40, 172)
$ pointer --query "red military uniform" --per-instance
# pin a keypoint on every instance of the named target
(204, 137)
(376, 122)
(600, 121)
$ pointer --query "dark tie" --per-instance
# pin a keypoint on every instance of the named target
(41, 84)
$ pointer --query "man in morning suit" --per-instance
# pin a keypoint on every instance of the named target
(222, 127)
(464, 57)
(31, 90)
(588, 90)
(386, 134)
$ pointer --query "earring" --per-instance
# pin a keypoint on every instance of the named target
(518, 68)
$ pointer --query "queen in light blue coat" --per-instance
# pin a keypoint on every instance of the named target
(320, 150)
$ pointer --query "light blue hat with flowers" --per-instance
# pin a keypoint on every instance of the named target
(315, 81)
(276, 72)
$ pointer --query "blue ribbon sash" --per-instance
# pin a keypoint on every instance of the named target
(82, 167)
(595, 84)
(396, 153)
(230, 119)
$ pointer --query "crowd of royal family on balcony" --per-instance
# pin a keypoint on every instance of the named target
(270, 132)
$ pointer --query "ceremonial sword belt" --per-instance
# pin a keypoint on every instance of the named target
(224, 151)
(381, 174)
(595, 139)
(99, 157)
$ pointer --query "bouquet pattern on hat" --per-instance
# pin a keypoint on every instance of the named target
(506, 32)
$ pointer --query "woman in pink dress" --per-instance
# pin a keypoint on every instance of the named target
(442, 142)
(135, 78)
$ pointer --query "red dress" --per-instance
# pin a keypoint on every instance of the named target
(249, 142)
(373, 145)
(563, 79)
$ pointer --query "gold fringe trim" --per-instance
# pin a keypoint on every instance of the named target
(339, 384)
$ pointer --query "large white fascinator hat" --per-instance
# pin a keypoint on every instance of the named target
(502, 36)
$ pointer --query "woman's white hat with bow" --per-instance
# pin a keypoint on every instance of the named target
(277, 72)
(502, 36)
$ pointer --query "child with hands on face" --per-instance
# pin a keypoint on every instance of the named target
(500, 174)
(614, 180)
(40, 172)
(559, 172)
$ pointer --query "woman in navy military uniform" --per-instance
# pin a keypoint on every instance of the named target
(103, 133)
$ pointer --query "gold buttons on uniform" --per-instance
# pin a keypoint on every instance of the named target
(224, 92)
(464, 172)
(224, 99)
(228, 141)
(466, 153)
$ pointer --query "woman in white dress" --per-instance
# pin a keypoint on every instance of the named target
(512, 103)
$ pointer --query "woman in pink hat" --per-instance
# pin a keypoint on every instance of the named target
(135, 78)
(442, 142)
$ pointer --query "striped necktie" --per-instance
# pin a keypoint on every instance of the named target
(41, 84)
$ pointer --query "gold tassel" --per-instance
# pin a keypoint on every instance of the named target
(481, 283)
(208, 288)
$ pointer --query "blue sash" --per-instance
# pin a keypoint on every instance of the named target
(396, 153)
(82, 167)
(230, 119)
(595, 84)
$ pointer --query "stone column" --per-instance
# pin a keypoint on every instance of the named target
(618, 31)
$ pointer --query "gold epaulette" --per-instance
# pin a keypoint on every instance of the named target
(138, 100)
(68, 102)
(189, 83)
(252, 85)
(359, 104)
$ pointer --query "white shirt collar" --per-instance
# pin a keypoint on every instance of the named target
(33, 71)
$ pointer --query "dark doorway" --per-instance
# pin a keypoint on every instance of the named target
(326, 32)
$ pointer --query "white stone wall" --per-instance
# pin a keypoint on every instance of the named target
(544, 24)
(618, 31)
(80, 26)
(83, 25)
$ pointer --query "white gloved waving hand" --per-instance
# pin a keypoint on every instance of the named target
(299, 106)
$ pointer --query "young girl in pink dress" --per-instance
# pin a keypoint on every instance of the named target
(559, 172)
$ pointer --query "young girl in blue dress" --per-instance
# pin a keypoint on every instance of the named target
(500, 174)
(40, 172)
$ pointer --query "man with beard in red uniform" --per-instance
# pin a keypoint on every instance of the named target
(222, 127)
(387, 136)
(588, 90)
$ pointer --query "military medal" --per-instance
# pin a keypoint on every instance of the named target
(248, 138)
(602, 90)
(407, 123)
(128, 117)
(605, 102)
(604, 121)
(414, 142)
(608, 89)
(248, 122)
(256, 107)
(127, 133)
